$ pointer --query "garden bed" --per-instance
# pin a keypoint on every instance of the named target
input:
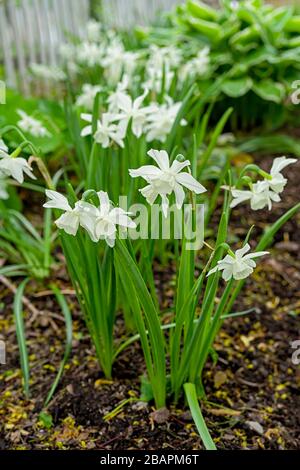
(252, 391)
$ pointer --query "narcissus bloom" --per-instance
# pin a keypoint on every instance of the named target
(133, 110)
(260, 196)
(161, 119)
(264, 193)
(88, 95)
(31, 125)
(70, 220)
(278, 181)
(165, 180)
(14, 166)
(107, 129)
(100, 222)
(238, 265)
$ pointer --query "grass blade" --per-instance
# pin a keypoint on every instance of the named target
(20, 331)
(69, 333)
(190, 392)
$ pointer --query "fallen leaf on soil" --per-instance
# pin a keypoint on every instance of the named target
(219, 379)
(223, 412)
(255, 426)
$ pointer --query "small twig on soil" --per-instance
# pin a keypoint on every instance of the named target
(34, 311)
(46, 293)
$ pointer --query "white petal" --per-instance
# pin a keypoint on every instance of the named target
(161, 157)
(69, 222)
(57, 201)
(179, 166)
(179, 195)
(146, 171)
(280, 163)
(190, 182)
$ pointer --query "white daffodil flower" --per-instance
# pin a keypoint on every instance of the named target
(278, 181)
(260, 196)
(238, 265)
(31, 125)
(196, 67)
(101, 222)
(94, 30)
(117, 60)
(165, 180)
(14, 167)
(160, 121)
(70, 220)
(107, 129)
(3, 191)
(88, 95)
(132, 110)
(49, 73)
(156, 77)
(89, 53)
(116, 97)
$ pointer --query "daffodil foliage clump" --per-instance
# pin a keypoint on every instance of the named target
(129, 173)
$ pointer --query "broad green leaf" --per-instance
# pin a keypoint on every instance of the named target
(269, 90)
(236, 87)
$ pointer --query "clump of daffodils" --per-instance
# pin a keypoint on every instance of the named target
(264, 192)
(152, 120)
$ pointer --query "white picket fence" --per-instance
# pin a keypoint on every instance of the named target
(31, 31)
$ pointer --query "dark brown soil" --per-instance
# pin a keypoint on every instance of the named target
(252, 392)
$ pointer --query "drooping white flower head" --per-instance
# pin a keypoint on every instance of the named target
(116, 60)
(89, 54)
(94, 30)
(160, 121)
(278, 181)
(87, 97)
(31, 125)
(238, 265)
(133, 110)
(260, 196)
(196, 67)
(14, 167)
(99, 222)
(263, 193)
(107, 129)
(165, 180)
(70, 220)
(116, 97)
(49, 73)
